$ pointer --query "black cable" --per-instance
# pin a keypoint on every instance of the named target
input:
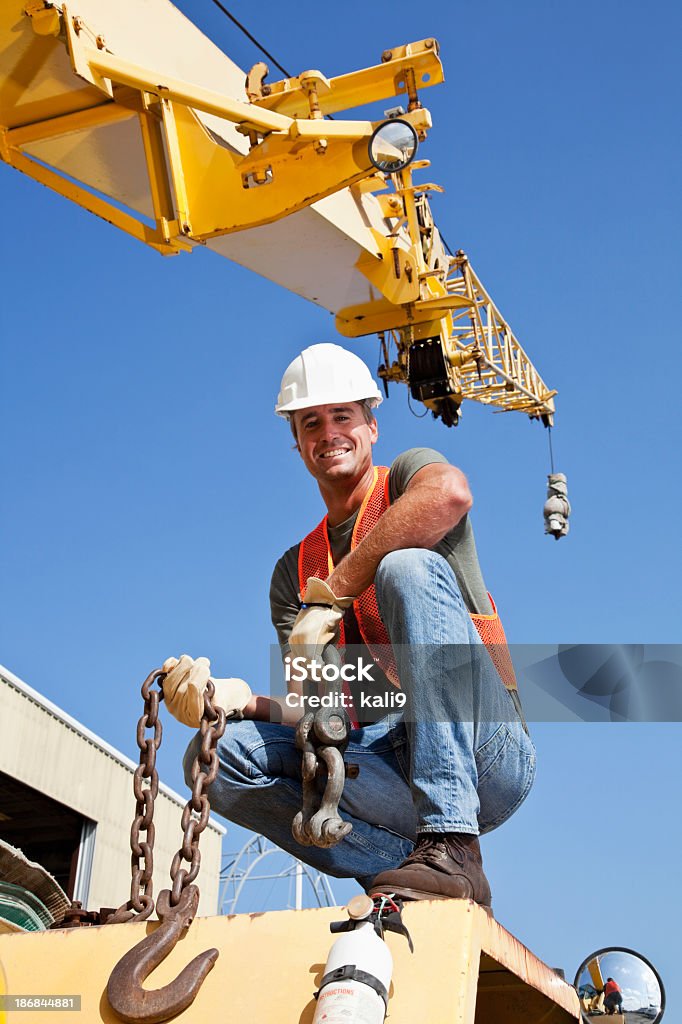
(256, 43)
(252, 38)
(551, 453)
(409, 406)
(445, 243)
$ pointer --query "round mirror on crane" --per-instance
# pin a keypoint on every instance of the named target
(393, 145)
(621, 986)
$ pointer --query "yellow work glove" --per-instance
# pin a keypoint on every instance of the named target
(185, 685)
(317, 624)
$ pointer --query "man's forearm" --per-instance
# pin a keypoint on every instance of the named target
(272, 709)
(418, 519)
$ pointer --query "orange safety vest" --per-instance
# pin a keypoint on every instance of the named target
(315, 559)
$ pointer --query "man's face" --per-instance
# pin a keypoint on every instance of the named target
(335, 441)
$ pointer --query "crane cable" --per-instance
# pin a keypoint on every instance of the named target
(252, 38)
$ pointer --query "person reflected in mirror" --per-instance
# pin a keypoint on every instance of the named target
(613, 998)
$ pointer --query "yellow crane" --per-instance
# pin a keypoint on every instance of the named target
(129, 111)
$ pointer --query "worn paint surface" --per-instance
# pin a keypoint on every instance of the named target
(271, 964)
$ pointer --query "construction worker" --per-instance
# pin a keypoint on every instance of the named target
(393, 567)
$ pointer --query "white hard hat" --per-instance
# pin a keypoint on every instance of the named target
(325, 375)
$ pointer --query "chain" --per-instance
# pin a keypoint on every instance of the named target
(141, 903)
(197, 809)
(195, 815)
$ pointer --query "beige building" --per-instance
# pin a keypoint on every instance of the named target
(66, 800)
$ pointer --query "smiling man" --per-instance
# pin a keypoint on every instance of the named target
(392, 573)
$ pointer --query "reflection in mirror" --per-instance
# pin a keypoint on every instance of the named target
(393, 146)
(621, 985)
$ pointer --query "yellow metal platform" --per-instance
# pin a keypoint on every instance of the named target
(466, 969)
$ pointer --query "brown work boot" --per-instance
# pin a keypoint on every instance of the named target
(442, 866)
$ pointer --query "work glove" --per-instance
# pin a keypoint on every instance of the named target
(185, 685)
(318, 622)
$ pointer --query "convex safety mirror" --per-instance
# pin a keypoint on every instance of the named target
(622, 984)
(393, 145)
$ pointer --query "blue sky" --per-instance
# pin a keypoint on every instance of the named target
(148, 489)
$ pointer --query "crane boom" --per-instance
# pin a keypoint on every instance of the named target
(131, 112)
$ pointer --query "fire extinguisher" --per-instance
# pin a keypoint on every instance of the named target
(357, 976)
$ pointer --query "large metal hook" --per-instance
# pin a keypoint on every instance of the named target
(137, 1005)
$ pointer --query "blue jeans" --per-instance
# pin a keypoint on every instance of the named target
(457, 760)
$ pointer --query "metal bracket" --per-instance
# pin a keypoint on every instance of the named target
(380, 82)
(80, 41)
(44, 17)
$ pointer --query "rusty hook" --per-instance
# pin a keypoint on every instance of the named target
(135, 1004)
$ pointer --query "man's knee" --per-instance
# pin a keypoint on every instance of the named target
(409, 569)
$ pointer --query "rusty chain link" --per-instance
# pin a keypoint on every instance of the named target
(141, 902)
(212, 728)
(140, 906)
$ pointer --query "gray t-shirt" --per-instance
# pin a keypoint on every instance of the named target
(458, 547)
